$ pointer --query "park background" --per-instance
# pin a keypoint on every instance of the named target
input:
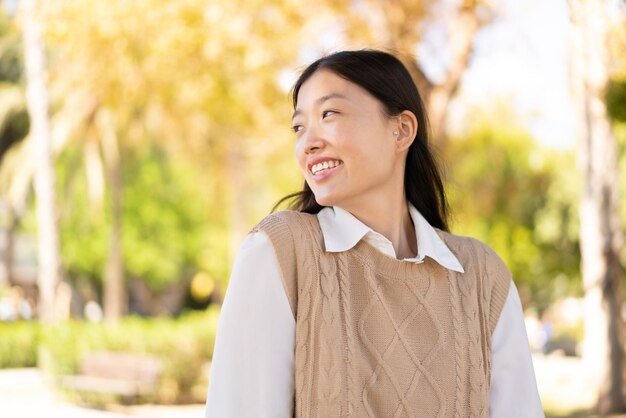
(140, 140)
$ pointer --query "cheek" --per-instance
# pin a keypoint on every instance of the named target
(300, 155)
(377, 159)
(365, 150)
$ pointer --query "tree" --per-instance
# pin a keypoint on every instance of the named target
(115, 299)
(527, 205)
(601, 236)
(47, 221)
(220, 104)
(13, 122)
(400, 25)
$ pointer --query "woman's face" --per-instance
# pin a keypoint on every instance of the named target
(345, 144)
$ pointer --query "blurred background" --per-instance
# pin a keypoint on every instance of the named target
(140, 140)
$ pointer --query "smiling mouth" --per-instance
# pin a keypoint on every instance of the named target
(321, 167)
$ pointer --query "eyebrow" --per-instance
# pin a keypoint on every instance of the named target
(322, 100)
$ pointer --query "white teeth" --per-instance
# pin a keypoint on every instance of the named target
(325, 165)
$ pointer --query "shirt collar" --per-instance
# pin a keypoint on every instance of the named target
(342, 231)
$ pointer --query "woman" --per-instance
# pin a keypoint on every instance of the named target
(359, 303)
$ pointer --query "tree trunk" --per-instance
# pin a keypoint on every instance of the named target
(9, 245)
(398, 31)
(397, 25)
(115, 299)
(462, 29)
(600, 229)
(47, 220)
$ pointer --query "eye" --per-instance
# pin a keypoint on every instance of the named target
(327, 113)
(297, 128)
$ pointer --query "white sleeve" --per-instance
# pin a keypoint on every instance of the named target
(252, 373)
(513, 392)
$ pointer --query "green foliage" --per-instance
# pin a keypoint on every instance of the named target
(163, 218)
(615, 98)
(511, 194)
(201, 81)
(203, 86)
(14, 120)
(163, 227)
(184, 345)
(83, 226)
(18, 344)
(11, 60)
(620, 133)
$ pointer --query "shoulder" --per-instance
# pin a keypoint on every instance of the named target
(282, 218)
(471, 251)
(287, 228)
(287, 233)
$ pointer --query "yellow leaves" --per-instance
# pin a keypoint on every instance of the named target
(193, 76)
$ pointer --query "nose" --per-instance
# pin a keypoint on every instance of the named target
(313, 141)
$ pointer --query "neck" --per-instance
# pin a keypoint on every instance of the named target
(390, 218)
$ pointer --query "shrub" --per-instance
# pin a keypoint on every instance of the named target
(18, 344)
(184, 345)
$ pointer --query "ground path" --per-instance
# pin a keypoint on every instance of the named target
(24, 394)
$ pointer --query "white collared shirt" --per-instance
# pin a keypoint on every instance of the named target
(252, 374)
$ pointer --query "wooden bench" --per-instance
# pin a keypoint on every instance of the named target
(126, 374)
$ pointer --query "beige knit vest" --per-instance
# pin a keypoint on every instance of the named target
(379, 337)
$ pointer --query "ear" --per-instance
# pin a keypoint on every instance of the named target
(405, 131)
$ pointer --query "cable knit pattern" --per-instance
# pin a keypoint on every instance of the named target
(344, 284)
(379, 337)
(308, 298)
(457, 321)
(470, 309)
(330, 333)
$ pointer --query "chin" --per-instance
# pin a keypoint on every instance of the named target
(325, 200)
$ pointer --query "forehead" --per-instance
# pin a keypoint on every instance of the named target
(325, 83)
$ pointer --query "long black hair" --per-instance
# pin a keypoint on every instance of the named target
(387, 79)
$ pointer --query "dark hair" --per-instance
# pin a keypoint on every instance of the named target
(388, 80)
